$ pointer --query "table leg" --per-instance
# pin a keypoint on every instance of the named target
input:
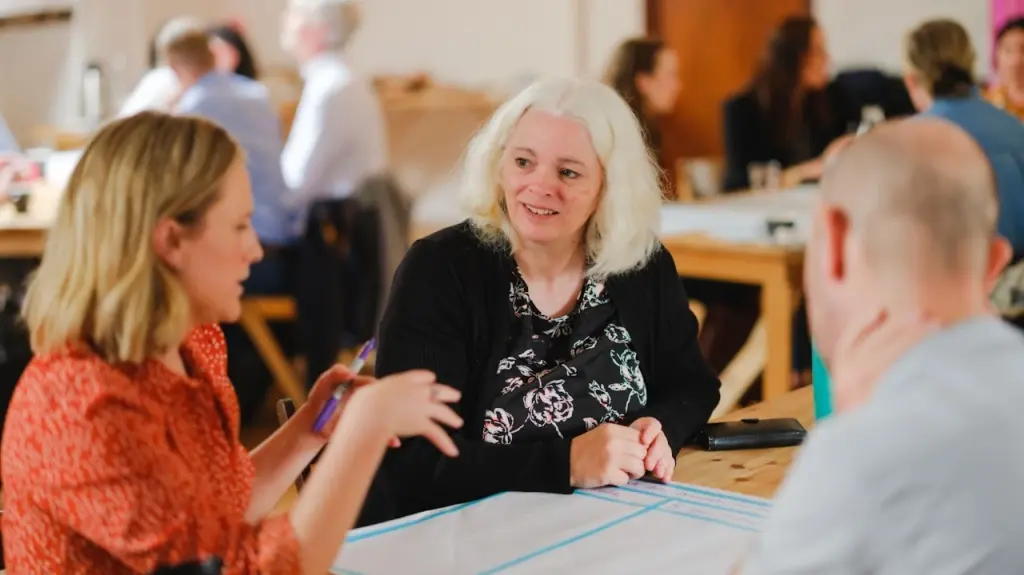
(777, 304)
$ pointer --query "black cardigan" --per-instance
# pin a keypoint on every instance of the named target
(449, 313)
(748, 137)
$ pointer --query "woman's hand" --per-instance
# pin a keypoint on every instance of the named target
(324, 388)
(609, 454)
(408, 404)
(660, 460)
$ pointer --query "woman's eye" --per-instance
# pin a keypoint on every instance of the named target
(567, 173)
(522, 162)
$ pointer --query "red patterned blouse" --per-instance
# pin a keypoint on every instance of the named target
(121, 469)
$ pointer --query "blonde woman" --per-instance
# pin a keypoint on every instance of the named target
(939, 61)
(554, 309)
(121, 449)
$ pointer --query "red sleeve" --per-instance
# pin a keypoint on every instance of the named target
(99, 464)
(125, 491)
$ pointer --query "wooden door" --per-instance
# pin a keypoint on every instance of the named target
(719, 44)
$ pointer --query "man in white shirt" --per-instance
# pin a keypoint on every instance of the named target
(920, 470)
(338, 136)
(158, 89)
(336, 148)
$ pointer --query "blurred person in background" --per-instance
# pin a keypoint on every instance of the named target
(121, 450)
(335, 153)
(1007, 91)
(158, 89)
(231, 53)
(790, 114)
(645, 72)
(939, 61)
(338, 136)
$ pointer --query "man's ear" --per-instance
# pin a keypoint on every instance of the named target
(837, 237)
(167, 240)
(1000, 252)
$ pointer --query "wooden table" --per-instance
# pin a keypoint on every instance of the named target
(751, 472)
(776, 269)
(24, 235)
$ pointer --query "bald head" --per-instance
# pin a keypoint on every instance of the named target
(920, 194)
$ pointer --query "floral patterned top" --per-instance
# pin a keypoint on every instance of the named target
(564, 376)
(121, 468)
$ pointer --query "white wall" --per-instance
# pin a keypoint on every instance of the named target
(467, 41)
(871, 31)
(41, 66)
(471, 42)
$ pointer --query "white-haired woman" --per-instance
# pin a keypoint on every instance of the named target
(554, 309)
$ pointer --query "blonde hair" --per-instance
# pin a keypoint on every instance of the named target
(189, 46)
(622, 234)
(100, 283)
(341, 18)
(940, 54)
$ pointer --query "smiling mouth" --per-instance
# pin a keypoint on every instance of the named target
(540, 211)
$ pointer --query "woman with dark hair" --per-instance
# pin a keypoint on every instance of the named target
(231, 52)
(645, 72)
(1008, 90)
(789, 114)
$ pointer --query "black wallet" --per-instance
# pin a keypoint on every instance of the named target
(751, 434)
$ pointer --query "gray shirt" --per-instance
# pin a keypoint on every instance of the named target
(924, 478)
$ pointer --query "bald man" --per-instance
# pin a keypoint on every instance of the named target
(920, 470)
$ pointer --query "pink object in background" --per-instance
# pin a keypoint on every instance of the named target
(1003, 10)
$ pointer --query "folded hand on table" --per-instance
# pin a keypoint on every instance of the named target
(609, 454)
(660, 461)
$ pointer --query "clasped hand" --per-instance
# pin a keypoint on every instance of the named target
(613, 454)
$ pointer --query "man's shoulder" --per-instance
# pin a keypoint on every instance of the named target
(249, 88)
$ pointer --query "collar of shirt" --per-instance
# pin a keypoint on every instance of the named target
(320, 63)
(923, 353)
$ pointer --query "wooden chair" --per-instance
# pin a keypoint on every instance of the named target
(286, 409)
(742, 371)
(256, 313)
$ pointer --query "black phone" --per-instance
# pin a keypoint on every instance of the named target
(751, 433)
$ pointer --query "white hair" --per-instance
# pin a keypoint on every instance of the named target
(622, 234)
(341, 18)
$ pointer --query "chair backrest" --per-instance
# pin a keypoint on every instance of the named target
(286, 409)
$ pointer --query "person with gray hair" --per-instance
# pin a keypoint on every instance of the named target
(335, 163)
(919, 470)
(338, 137)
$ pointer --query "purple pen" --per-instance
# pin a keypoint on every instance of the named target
(332, 402)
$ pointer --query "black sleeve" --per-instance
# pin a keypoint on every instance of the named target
(688, 390)
(428, 325)
(740, 132)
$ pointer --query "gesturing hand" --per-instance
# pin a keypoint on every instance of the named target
(325, 386)
(659, 460)
(408, 404)
(609, 454)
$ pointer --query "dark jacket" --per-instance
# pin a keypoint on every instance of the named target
(449, 312)
(749, 137)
